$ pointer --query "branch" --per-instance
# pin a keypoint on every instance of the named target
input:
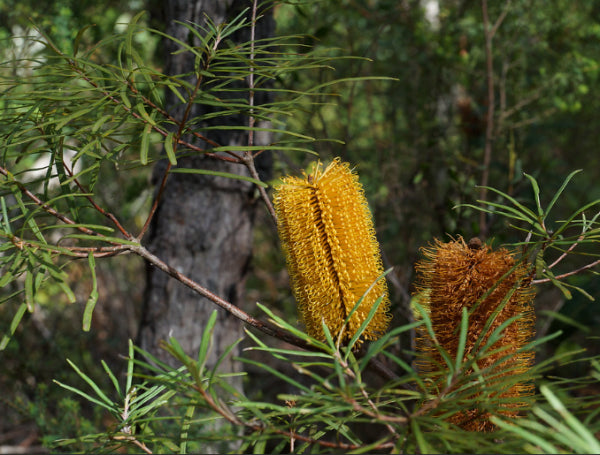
(572, 272)
(180, 131)
(266, 328)
(248, 158)
(74, 251)
(489, 129)
(221, 409)
(108, 215)
(44, 206)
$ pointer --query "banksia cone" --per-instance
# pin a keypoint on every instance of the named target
(332, 254)
(455, 275)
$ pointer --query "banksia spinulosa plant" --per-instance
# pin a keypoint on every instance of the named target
(332, 254)
(494, 287)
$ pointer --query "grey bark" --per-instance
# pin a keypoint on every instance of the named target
(203, 226)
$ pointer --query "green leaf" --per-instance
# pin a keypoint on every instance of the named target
(96, 388)
(584, 439)
(169, 148)
(424, 447)
(145, 144)
(229, 175)
(536, 194)
(371, 314)
(5, 218)
(124, 97)
(142, 111)
(278, 374)
(112, 377)
(524, 210)
(88, 397)
(561, 189)
(526, 434)
(13, 325)
(566, 319)
(73, 116)
(462, 338)
(130, 362)
(93, 298)
(206, 341)
(29, 291)
(99, 238)
(185, 426)
(78, 39)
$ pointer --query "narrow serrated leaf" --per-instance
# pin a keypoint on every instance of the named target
(561, 189)
(219, 174)
(145, 144)
(93, 298)
(13, 325)
(169, 148)
(95, 387)
(206, 341)
(462, 338)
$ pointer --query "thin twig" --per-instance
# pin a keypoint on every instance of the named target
(44, 206)
(234, 420)
(248, 157)
(500, 19)
(571, 273)
(132, 439)
(161, 131)
(249, 162)
(165, 176)
(251, 120)
(489, 129)
(264, 327)
(74, 251)
(108, 215)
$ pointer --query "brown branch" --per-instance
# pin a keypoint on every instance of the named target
(74, 251)
(108, 215)
(168, 116)
(118, 248)
(248, 157)
(266, 328)
(571, 273)
(251, 120)
(249, 162)
(178, 136)
(489, 130)
(500, 19)
(44, 206)
(230, 416)
(132, 439)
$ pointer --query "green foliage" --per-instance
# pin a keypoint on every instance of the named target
(82, 112)
(550, 241)
(332, 407)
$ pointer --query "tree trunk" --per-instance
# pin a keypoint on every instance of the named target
(203, 225)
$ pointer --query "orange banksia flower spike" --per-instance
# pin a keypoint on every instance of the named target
(332, 254)
(456, 275)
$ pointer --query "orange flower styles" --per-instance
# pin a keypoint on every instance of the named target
(332, 254)
(494, 287)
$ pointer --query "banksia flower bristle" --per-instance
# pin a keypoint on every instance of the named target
(332, 254)
(455, 275)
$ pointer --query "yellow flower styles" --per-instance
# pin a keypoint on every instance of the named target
(332, 254)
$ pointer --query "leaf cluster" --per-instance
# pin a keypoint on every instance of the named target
(333, 406)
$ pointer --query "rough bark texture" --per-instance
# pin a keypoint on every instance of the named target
(203, 226)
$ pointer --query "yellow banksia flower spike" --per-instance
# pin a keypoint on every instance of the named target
(456, 275)
(332, 254)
